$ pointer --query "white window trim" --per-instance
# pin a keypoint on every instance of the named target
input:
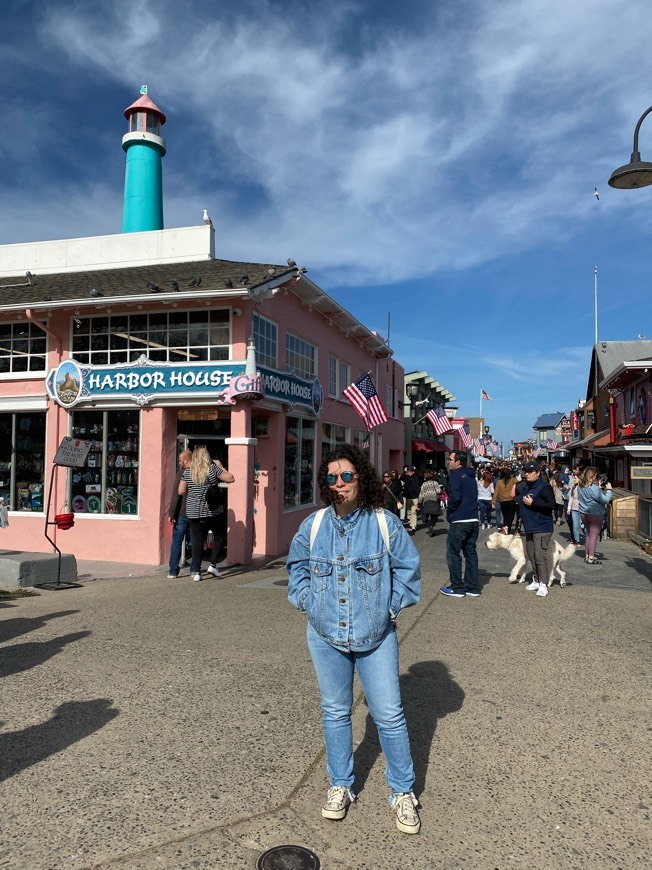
(275, 324)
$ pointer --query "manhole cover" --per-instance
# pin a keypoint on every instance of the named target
(288, 858)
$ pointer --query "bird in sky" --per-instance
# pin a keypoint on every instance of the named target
(595, 193)
(207, 219)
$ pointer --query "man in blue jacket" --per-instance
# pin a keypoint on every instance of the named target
(462, 530)
(537, 504)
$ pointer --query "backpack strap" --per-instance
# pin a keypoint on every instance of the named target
(382, 525)
(316, 523)
(380, 516)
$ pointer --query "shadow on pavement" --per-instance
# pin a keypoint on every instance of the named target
(71, 722)
(11, 628)
(429, 693)
(23, 656)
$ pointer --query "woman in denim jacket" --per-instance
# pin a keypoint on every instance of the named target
(353, 589)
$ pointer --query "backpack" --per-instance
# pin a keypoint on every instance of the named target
(214, 497)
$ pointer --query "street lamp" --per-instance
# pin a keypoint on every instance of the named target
(412, 391)
(635, 173)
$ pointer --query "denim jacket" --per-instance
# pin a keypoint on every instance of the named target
(347, 585)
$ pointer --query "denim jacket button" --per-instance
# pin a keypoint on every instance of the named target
(343, 624)
(340, 558)
(342, 600)
(341, 579)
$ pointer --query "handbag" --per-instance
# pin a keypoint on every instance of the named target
(214, 497)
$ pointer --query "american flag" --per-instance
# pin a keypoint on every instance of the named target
(364, 398)
(485, 395)
(439, 421)
(531, 440)
(478, 447)
(465, 436)
(536, 452)
(551, 445)
(491, 448)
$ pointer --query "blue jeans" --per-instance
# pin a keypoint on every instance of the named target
(462, 538)
(499, 514)
(178, 533)
(378, 673)
(485, 510)
(577, 520)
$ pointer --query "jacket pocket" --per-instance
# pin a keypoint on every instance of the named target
(320, 573)
(369, 573)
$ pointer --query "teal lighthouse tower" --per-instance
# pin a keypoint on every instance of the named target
(143, 202)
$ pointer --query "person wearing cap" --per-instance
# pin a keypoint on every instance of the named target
(537, 503)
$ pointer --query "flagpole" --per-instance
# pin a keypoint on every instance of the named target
(595, 297)
(481, 401)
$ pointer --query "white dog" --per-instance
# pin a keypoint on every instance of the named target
(516, 548)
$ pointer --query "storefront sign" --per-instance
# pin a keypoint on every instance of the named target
(294, 391)
(641, 472)
(144, 381)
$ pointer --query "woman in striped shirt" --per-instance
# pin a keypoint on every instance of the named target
(201, 474)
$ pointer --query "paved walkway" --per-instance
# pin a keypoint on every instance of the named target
(149, 723)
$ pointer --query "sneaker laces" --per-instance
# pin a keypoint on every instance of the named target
(336, 795)
(405, 804)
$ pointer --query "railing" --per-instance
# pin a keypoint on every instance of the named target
(645, 515)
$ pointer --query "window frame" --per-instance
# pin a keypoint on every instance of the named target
(306, 373)
(152, 339)
(31, 325)
(262, 358)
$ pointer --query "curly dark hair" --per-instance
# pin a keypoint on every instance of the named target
(370, 489)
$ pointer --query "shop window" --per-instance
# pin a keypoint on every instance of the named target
(333, 436)
(300, 357)
(108, 484)
(266, 341)
(299, 475)
(22, 460)
(172, 337)
(22, 347)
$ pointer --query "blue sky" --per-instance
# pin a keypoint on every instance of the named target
(435, 160)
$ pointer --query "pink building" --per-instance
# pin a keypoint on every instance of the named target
(139, 344)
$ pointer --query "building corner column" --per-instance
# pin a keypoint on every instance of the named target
(240, 519)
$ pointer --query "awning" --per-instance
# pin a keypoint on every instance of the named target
(589, 440)
(429, 446)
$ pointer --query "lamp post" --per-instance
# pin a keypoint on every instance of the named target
(636, 173)
(412, 391)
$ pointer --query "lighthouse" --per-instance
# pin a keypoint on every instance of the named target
(143, 200)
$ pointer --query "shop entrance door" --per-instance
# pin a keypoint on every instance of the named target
(190, 434)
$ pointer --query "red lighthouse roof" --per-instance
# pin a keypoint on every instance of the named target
(144, 103)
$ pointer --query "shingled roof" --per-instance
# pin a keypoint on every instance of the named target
(549, 421)
(216, 276)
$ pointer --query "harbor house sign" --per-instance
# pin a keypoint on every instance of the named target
(143, 381)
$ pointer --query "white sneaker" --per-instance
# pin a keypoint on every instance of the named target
(337, 801)
(213, 570)
(407, 817)
(532, 586)
(196, 577)
(542, 591)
